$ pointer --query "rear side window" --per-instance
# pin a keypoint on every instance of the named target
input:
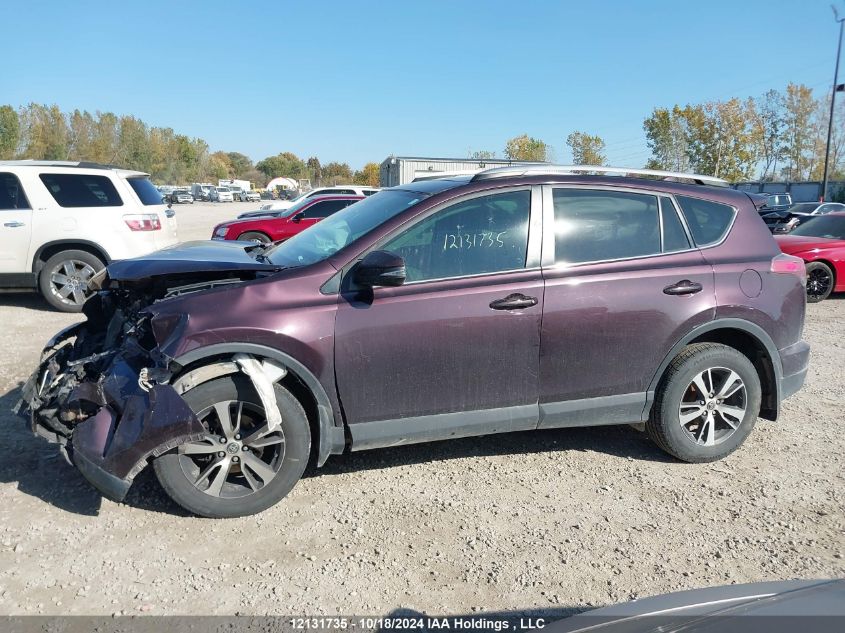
(11, 193)
(146, 191)
(592, 226)
(674, 236)
(369, 192)
(326, 208)
(707, 221)
(81, 190)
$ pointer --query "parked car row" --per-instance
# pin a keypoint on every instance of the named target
(820, 242)
(780, 222)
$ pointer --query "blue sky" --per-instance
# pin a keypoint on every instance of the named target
(357, 81)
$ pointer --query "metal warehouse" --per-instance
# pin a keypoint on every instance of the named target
(398, 170)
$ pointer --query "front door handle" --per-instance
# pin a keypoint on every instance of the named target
(683, 287)
(14, 225)
(514, 301)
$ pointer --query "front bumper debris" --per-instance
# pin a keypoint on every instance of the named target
(92, 404)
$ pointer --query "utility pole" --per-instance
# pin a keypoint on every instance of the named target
(836, 89)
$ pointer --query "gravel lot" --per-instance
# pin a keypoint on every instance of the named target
(556, 521)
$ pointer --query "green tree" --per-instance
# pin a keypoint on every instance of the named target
(666, 136)
(315, 171)
(799, 106)
(770, 124)
(369, 175)
(284, 164)
(335, 173)
(482, 154)
(526, 148)
(10, 132)
(587, 149)
(241, 165)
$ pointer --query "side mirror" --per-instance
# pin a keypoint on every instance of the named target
(380, 268)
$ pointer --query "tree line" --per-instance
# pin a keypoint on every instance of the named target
(779, 135)
(41, 132)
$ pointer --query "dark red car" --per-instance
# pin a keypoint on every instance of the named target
(820, 242)
(521, 298)
(281, 225)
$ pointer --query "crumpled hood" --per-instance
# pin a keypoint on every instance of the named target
(190, 257)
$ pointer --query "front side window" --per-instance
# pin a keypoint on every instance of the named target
(81, 190)
(325, 208)
(593, 225)
(326, 238)
(12, 196)
(486, 234)
(707, 221)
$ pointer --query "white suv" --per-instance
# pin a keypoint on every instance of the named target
(61, 222)
(346, 190)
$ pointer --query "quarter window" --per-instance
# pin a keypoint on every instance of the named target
(592, 225)
(325, 209)
(81, 190)
(707, 221)
(12, 196)
(486, 234)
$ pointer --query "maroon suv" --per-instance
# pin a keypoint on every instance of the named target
(530, 298)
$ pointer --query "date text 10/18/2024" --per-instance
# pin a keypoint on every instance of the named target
(416, 623)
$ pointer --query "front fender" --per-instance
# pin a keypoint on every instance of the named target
(332, 439)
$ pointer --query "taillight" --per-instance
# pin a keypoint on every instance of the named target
(143, 222)
(789, 265)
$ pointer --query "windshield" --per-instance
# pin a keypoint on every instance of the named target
(831, 227)
(324, 239)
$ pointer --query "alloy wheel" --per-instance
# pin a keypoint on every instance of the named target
(818, 283)
(69, 281)
(239, 456)
(713, 406)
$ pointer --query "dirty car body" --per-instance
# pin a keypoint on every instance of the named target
(440, 309)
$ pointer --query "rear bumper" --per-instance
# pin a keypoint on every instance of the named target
(795, 360)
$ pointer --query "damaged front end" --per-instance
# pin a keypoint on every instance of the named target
(100, 391)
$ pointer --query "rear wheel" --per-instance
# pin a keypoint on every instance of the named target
(707, 403)
(819, 282)
(64, 279)
(241, 467)
(254, 236)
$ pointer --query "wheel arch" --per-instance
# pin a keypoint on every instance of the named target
(300, 381)
(46, 251)
(747, 338)
(829, 264)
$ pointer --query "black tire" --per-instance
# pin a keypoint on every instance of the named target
(819, 282)
(83, 263)
(255, 236)
(170, 468)
(664, 424)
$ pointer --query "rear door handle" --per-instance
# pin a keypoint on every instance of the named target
(683, 287)
(515, 301)
(14, 225)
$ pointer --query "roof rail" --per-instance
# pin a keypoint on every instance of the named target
(58, 163)
(538, 170)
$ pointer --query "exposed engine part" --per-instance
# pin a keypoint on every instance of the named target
(263, 374)
(144, 379)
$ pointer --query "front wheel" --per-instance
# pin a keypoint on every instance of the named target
(240, 467)
(819, 282)
(707, 403)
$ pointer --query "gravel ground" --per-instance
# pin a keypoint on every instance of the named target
(555, 521)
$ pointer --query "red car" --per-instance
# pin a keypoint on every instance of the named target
(819, 241)
(280, 225)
